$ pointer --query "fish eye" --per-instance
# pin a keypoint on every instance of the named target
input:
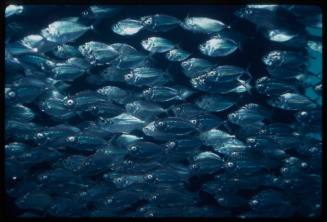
(211, 73)
(230, 164)
(254, 202)
(161, 124)
(69, 102)
(71, 139)
(39, 135)
(233, 115)
(194, 121)
(128, 76)
(119, 180)
(171, 144)
(148, 21)
(11, 94)
(304, 114)
(133, 148)
(149, 177)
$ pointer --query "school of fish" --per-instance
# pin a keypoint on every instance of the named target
(99, 129)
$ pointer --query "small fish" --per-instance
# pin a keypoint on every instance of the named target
(248, 114)
(117, 94)
(292, 101)
(124, 140)
(206, 163)
(62, 32)
(143, 150)
(274, 87)
(218, 47)
(113, 74)
(84, 141)
(214, 103)
(127, 27)
(177, 55)
(101, 11)
(123, 123)
(181, 149)
(279, 35)
(144, 110)
(205, 121)
(19, 112)
(165, 93)
(98, 53)
(186, 110)
(147, 76)
(278, 58)
(169, 128)
(84, 100)
(13, 10)
(66, 51)
(15, 149)
(67, 72)
(160, 22)
(203, 25)
(157, 45)
(194, 67)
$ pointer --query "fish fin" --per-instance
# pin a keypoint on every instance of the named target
(247, 71)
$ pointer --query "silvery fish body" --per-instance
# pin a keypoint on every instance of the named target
(157, 44)
(98, 53)
(194, 67)
(292, 101)
(165, 93)
(62, 32)
(203, 25)
(177, 55)
(160, 22)
(147, 76)
(13, 10)
(217, 47)
(127, 27)
(123, 123)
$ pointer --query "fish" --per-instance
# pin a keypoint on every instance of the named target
(143, 151)
(248, 114)
(12, 10)
(165, 93)
(101, 11)
(214, 103)
(123, 123)
(206, 163)
(177, 55)
(160, 22)
(67, 72)
(145, 110)
(98, 53)
(62, 32)
(194, 67)
(66, 51)
(206, 121)
(274, 87)
(217, 47)
(157, 44)
(203, 25)
(127, 27)
(168, 128)
(147, 76)
(19, 112)
(292, 101)
(186, 110)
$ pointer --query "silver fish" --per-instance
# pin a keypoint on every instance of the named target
(157, 44)
(203, 25)
(217, 47)
(127, 27)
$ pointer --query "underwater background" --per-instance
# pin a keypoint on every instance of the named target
(267, 163)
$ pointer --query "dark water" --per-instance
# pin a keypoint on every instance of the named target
(34, 18)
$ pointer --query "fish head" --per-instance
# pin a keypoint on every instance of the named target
(243, 12)
(10, 94)
(133, 149)
(233, 117)
(147, 93)
(129, 77)
(70, 139)
(69, 102)
(149, 129)
(147, 20)
(252, 142)
(160, 125)
(147, 44)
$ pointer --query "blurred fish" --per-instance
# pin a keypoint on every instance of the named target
(12, 10)
(145, 110)
(101, 11)
(20, 112)
(206, 163)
